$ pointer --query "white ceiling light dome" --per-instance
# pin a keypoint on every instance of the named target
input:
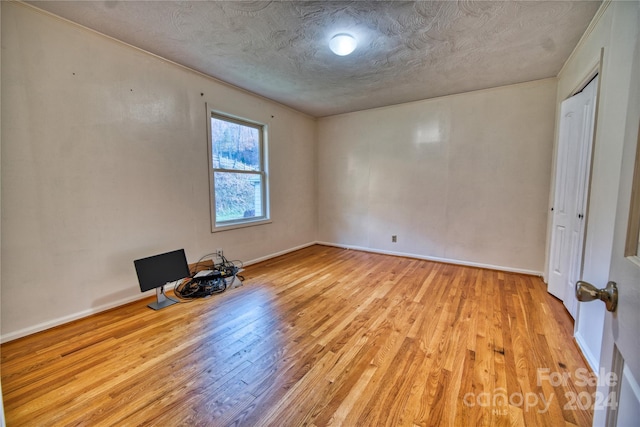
(343, 44)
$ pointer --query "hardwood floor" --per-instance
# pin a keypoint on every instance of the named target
(321, 336)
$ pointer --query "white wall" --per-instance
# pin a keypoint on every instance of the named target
(104, 160)
(462, 178)
(613, 29)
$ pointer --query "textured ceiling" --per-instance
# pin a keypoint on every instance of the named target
(407, 50)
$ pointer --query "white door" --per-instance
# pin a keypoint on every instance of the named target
(620, 356)
(617, 401)
(569, 208)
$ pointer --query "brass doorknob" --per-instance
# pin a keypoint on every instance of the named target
(587, 292)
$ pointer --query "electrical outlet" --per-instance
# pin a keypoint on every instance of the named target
(219, 253)
(394, 238)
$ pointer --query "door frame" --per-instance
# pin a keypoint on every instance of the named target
(594, 68)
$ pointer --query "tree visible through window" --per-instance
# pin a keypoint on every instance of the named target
(238, 173)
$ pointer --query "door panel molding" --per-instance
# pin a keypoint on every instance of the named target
(633, 231)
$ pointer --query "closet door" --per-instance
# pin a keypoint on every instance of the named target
(573, 167)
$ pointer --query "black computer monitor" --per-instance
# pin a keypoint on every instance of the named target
(156, 271)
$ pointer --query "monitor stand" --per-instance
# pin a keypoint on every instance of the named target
(162, 300)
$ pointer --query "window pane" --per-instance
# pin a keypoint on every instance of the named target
(234, 146)
(238, 196)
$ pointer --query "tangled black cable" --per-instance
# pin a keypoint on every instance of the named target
(200, 287)
(213, 282)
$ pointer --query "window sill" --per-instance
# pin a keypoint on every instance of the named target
(234, 226)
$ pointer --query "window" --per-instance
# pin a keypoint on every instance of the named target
(238, 175)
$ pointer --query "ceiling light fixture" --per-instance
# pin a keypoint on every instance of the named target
(343, 44)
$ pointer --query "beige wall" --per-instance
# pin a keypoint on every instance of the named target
(462, 178)
(104, 160)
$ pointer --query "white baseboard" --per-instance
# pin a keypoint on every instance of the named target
(437, 259)
(69, 318)
(75, 316)
(277, 254)
(584, 348)
(95, 310)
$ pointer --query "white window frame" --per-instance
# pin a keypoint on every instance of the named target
(265, 218)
